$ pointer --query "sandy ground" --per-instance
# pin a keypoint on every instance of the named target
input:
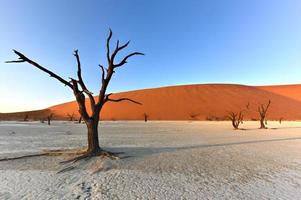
(166, 160)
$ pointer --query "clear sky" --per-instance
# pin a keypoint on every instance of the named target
(255, 42)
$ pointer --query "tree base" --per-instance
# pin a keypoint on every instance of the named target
(83, 154)
(263, 128)
(88, 154)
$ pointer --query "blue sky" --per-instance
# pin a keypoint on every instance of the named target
(255, 42)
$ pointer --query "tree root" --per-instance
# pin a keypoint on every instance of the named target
(83, 155)
(101, 153)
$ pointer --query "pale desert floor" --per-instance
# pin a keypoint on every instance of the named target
(167, 160)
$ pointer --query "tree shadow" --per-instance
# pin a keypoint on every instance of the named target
(285, 128)
(145, 151)
(270, 128)
(129, 153)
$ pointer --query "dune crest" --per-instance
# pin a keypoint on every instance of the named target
(197, 102)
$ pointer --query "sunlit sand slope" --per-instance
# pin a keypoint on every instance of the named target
(199, 102)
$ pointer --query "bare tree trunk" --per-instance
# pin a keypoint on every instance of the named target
(25, 119)
(262, 125)
(262, 110)
(93, 141)
(235, 126)
(49, 118)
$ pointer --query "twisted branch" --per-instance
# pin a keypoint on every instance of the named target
(23, 58)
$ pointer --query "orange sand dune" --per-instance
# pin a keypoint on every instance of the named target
(198, 102)
(291, 91)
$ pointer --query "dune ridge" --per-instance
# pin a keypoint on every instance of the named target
(193, 102)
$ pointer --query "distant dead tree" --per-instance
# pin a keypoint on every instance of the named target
(262, 110)
(236, 119)
(145, 117)
(193, 116)
(280, 120)
(248, 106)
(80, 92)
(70, 116)
(49, 118)
(25, 119)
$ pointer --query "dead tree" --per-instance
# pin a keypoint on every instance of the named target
(25, 119)
(80, 92)
(248, 106)
(236, 119)
(194, 116)
(280, 120)
(70, 116)
(262, 110)
(49, 118)
(145, 117)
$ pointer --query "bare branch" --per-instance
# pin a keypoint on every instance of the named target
(102, 97)
(107, 96)
(117, 44)
(108, 46)
(23, 58)
(15, 61)
(103, 73)
(80, 80)
(124, 99)
(80, 98)
(123, 46)
(121, 99)
(117, 49)
(124, 60)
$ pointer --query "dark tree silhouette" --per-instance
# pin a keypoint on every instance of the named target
(71, 116)
(248, 106)
(25, 119)
(80, 92)
(236, 119)
(49, 118)
(194, 116)
(80, 119)
(145, 117)
(262, 110)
